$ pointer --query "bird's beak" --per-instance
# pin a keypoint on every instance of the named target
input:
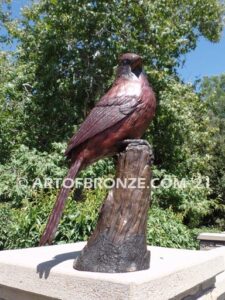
(136, 63)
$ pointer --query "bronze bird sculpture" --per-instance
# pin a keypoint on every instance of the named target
(123, 113)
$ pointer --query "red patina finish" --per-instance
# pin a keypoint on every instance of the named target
(124, 112)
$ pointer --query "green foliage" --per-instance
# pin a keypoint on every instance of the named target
(10, 109)
(213, 94)
(182, 136)
(63, 63)
(165, 229)
(21, 228)
(5, 226)
(18, 176)
(99, 169)
(78, 222)
(28, 171)
(182, 133)
(188, 197)
(68, 50)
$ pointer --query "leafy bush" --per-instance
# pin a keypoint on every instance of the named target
(29, 167)
(21, 228)
(5, 226)
(182, 133)
(165, 229)
(25, 165)
(186, 196)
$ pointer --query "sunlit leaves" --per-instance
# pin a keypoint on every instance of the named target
(69, 50)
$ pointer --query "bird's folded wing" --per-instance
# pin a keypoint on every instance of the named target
(103, 116)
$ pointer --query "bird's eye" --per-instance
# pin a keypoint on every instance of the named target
(126, 62)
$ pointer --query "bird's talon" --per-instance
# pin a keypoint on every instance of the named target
(137, 142)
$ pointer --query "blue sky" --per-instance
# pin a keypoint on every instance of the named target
(206, 60)
(17, 5)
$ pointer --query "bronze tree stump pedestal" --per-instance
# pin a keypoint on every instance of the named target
(118, 243)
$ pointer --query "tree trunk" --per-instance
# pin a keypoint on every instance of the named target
(118, 243)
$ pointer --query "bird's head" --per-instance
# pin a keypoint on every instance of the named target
(130, 62)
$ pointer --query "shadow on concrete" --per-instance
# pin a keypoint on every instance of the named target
(44, 268)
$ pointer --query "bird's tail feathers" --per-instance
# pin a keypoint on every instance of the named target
(58, 208)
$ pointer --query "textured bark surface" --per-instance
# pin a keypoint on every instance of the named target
(118, 244)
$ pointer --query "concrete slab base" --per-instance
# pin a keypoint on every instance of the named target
(47, 273)
(211, 240)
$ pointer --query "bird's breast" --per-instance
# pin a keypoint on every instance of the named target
(129, 89)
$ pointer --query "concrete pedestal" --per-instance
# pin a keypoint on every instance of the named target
(211, 240)
(47, 273)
